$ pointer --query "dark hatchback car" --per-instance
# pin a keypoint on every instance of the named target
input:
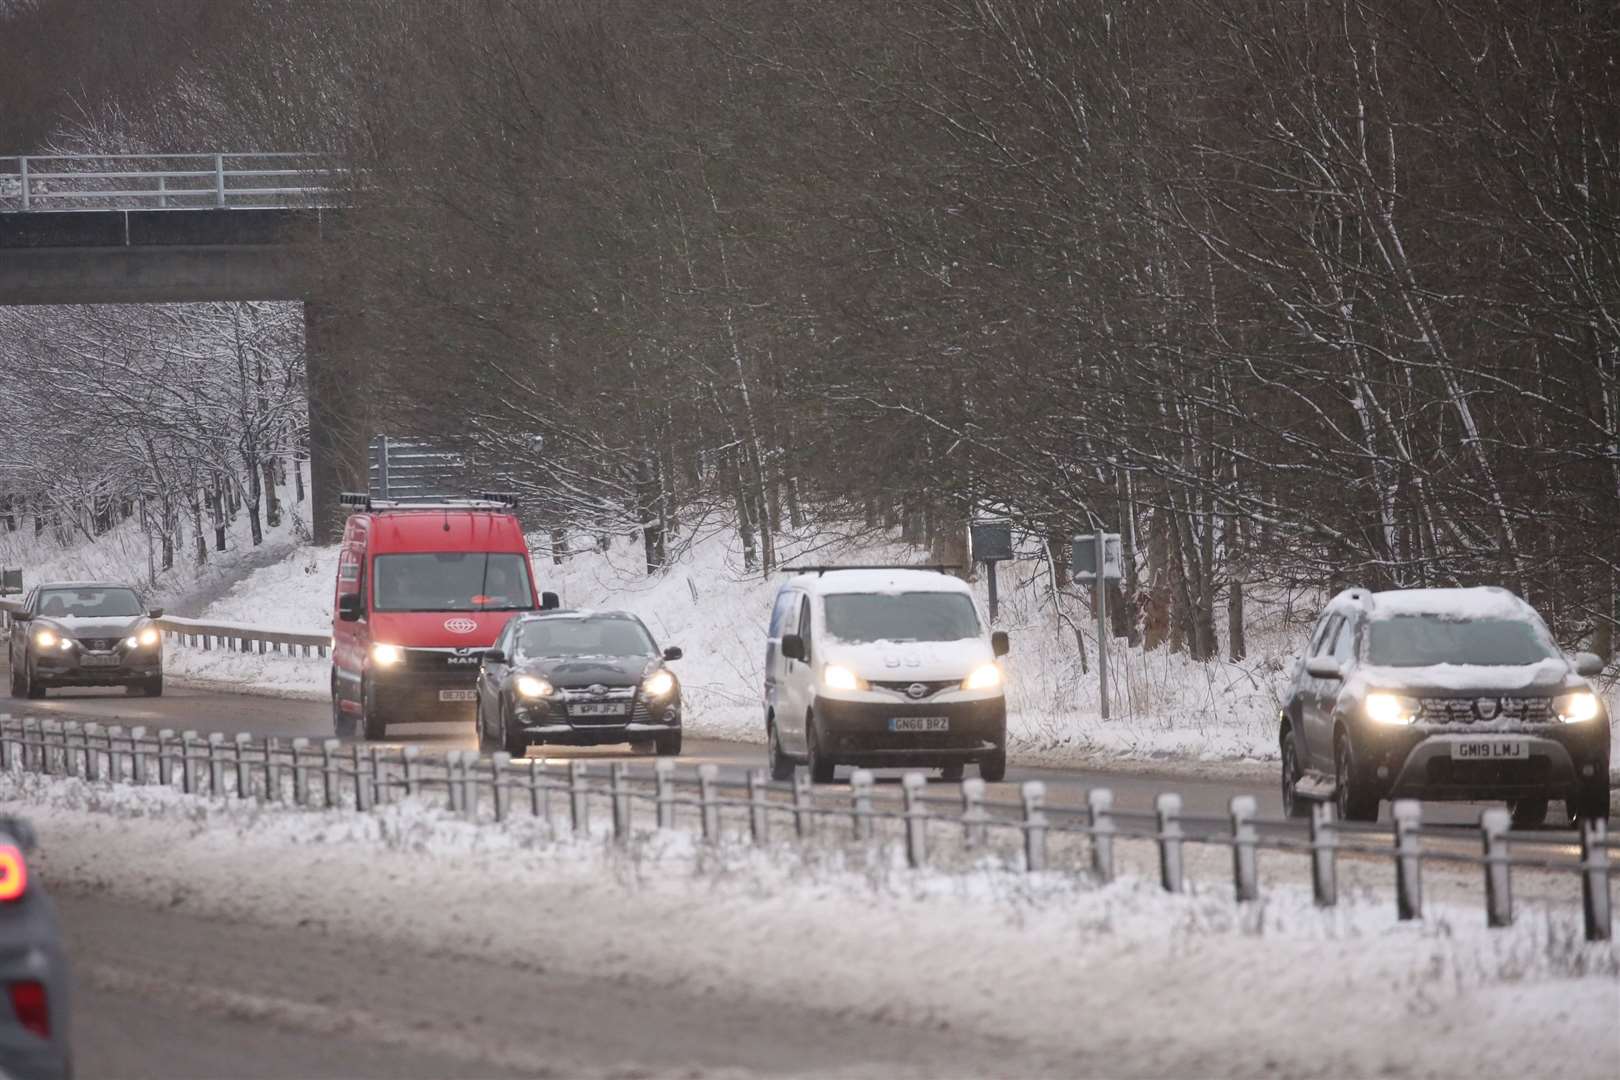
(578, 678)
(85, 633)
(1443, 694)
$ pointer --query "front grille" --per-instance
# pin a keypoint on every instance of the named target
(99, 644)
(930, 688)
(453, 661)
(1460, 710)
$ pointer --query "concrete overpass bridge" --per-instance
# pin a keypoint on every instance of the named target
(187, 228)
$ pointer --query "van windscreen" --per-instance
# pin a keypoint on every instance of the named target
(914, 616)
(451, 581)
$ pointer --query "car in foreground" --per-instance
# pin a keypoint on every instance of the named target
(85, 633)
(34, 1042)
(1443, 694)
(884, 667)
(578, 678)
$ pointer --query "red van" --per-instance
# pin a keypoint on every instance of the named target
(423, 589)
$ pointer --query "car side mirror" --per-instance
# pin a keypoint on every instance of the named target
(155, 613)
(673, 653)
(549, 601)
(494, 656)
(349, 607)
(999, 645)
(22, 616)
(793, 647)
(1588, 665)
(1324, 667)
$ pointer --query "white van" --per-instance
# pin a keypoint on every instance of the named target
(882, 667)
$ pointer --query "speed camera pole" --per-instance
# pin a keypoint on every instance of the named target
(1102, 623)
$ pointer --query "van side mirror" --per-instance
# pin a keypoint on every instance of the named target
(1588, 665)
(155, 613)
(793, 647)
(673, 653)
(549, 601)
(494, 656)
(1324, 667)
(349, 607)
(22, 616)
(999, 644)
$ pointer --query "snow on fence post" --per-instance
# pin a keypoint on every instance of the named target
(300, 777)
(407, 768)
(469, 783)
(188, 782)
(912, 786)
(803, 799)
(619, 794)
(5, 742)
(92, 756)
(272, 770)
(759, 822)
(975, 822)
(1595, 908)
(707, 773)
(539, 795)
(137, 750)
(216, 763)
(860, 803)
(1408, 814)
(1034, 826)
(244, 769)
(1493, 826)
(329, 771)
(664, 792)
(379, 790)
(1168, 808)
(1324, 841)
(1099, 819)
(498, 762)
(360, 802)
(70, 760)
(1245, 872)
(115, 759)
(578, 804)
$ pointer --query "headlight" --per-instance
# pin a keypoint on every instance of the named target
(147, 637)
(387, 655)
(658, 684)
(530, 687)
(1391, 709)
(985, 677)
(45, 639)
(1577, 707)
(838, 677)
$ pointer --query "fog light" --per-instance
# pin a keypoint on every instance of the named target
(1586, 770)
(1383, 772)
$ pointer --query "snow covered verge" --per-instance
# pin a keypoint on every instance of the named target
(1117, 980)
(1166, 708)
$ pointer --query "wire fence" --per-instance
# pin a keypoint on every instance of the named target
(495, 788)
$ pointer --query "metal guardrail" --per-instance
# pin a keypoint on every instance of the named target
(225, 636)
(332, 775)
(164, 181)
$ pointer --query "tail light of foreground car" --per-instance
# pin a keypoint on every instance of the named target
(13, 873)
(29, 1002)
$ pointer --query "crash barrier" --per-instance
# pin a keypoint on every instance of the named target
(224, 636)
(331, 774)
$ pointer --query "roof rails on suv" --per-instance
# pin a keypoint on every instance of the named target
(940, 568)
(484, 500)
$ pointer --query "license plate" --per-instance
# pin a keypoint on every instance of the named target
(1490, 750)
(458, 695)
(98, 661)
(920, 723)
(596, 708)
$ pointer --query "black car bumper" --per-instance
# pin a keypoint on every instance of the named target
(550, 722)
(71, 669)
(1549, 762)
(860, 733)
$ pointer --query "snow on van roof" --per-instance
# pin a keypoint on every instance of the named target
(1487, 602)
(879, 581)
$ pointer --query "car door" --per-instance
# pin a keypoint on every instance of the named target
(783, 611)
(1318, 700)
(491, 676)
(797, 690)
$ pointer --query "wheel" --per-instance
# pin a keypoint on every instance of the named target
(1293, 805)
(153, 687)
(514, 740)
(1528, 813)
(781, 765)
(821, 769)
(342, 722)
(1351, 797)
(485, 743)
(644, 747)
(372, 722)
(993, 769)
(32, 688)
(1592, 805)
(669, 745)
(18, 688)
(952, 773)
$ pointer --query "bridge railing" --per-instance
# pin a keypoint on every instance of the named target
(226, 636)
(170, 181)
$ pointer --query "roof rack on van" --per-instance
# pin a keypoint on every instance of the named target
(486, 500)
(941, 568)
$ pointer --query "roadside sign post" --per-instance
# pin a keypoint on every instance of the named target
(991, 542)
(10, 582)
(1096, 560)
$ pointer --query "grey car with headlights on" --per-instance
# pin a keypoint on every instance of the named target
(1459, 694)
(578, 678)
(85, 633)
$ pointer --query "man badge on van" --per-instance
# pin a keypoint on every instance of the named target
(460, 626)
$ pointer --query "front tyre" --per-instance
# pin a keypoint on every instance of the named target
(153, 687)
(821, 766)
(514, 740)
(1528, 813)
(993, 769)
(669, 745)
(1293, 805)
(1590, 806)
(781, 765)
(19, 688)
(373, 724)
(1351, 797)
(342, 722)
